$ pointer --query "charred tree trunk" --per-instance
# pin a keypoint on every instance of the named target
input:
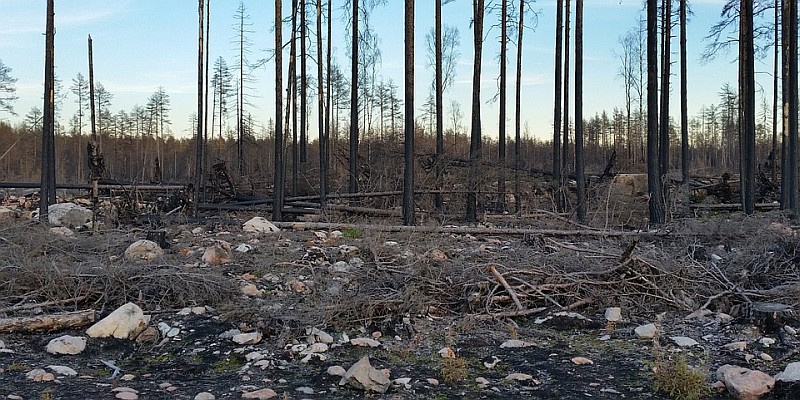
(579, 167)
(557, 102)
(747, 108)
(279, 177)
(438, 202)
(663, 126)
(48, 172)
(475, 134)
(501, 146)
(656, 206)
(303, 87)
(775, 79)
(684, 100)
(353, 184)
(323, 139)
(198, 155)
(408, 172)
(518, 111)
(790, 100)
(562, 192)
(292, 99)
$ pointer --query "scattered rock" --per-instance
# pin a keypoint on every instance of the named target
(363, 376)
(126, 322)
(790, 374)
(59, 230)
(788, 329)
(402, 381)
(243, 248)
(491, 362)
(736, 346)
(40, 375)
(248, 338)
(259, 225)
(432, 381)
(743, 383)
(143, 251)
(66, 345)
(261, 394)
(62, 370)
(436, 255)
(251, 290)
(365, 342)
(204, 396)
(340, 267)
(317, 335)
(515, 343)
(683, 341)
(304, 390)
(482, 382)
(647, 331)
(447, 352)
(149, 335)
(336, 370)
(517, 376)
(766, 342)
(765, 357)
(7, 214)
(613, 314)
(218, 254)
(69, 215)
(125, 393)
(581, 361)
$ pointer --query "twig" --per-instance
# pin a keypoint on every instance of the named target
(509, 314)
(505, 284)
(41, 305)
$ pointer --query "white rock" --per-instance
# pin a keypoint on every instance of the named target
(62, 370)
(647, 331)
(143, 251)
(482, 382)
(765, 357)
(253, 356)
(62, 231)
(163, 328)
(517, 376)
(491, 364)
(788, 329)
(318, 347)
(684, 341)
(581, 361)
(363, 376)
(218, 254)
(790, 374)
(247, 338)
(613, 314)
(198, 230)
(205, 396)
(767, 341)
(259, 225)
(125, 322)
(66, 345)
(243, 248)
(735, 346)
(127, 396)
(743, 383)
(365, 342)
(304, 390)
(336, 370)
(340, 267)
(69, 215)
(402, 381)
(127, 377)
(432, 381)
(356, 262)
(261, 394)
(447, 352)
(515, 343)
(317, 335)
(40, 375)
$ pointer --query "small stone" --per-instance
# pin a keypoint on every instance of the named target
(218, 254)
(647, 331)
(365, 342)
(66, 345)
(447, 352)
(253, 356)
(517, 376)
(356, 262)
(315, 348)
(684, 341)
(40, 375)
(482, 381)
(432, 381)
(743, 383)
(320, 336)
(247, 338)
(251, 290)
(363, 376)
(790, 374)
(766, 342)
(62, 370)
(377, 335)
(515, 343)
(788, 329)
(143, 251)
(173, 332)
(62, 231)
(581, 361)
(243, 248)
(14, 397)
(613, 314)
(127, 396)
(259, 225)
(402, 381)
(491, 363)
(735, 346)
(261, 394)
(127, 377)
(305, 390)
(749, 357)
(204, 396)
(765, 357)
(164, 385)
(336, 370)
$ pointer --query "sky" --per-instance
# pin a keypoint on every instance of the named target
(140, 45)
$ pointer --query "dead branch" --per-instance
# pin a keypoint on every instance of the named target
(50, 322)
(505, 284)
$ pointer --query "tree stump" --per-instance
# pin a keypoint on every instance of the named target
(771, 317)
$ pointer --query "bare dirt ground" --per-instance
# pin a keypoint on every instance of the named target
(416, 294)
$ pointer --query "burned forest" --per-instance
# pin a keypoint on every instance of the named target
(336, 200)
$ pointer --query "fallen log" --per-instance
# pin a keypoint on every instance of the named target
(50, 322)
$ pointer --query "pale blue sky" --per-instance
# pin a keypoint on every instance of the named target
(140, 45)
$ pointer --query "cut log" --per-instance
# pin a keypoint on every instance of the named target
(51, 322)
(771, 317)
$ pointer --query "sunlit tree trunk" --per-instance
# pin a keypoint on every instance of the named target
(518, 112)
(408, 171)
(654, 187)
(475, 135)
(47, 188)
(438, 202)
(323, 139)
(557, 101)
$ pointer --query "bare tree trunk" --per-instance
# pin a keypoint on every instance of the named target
(206, 126)
(438, 202)
(328, 91)
(747, 108)
(557, 103)
(293, 99)
(501, 146)
(48, 172)
(279, 177)
(775, 79)
(663, 148)
(353, 184)
(579, 167)
(323, 139)
(684, 100)
(303, 87)
(475, 136)
(562, 191)
(790, 100)
(408, 172)
(518, 112)
(653, 174)
(198, 155)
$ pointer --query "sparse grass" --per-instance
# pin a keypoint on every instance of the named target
(679, 380)
(16, 367)
(454, 369)
(352, 233)
(229, 364)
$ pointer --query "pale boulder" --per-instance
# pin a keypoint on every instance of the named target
(126, 322)
(70, 215)
(143, 251)
(66, 345)
(363, 376)
(743, 383)
(259, 225)
(218, 254)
